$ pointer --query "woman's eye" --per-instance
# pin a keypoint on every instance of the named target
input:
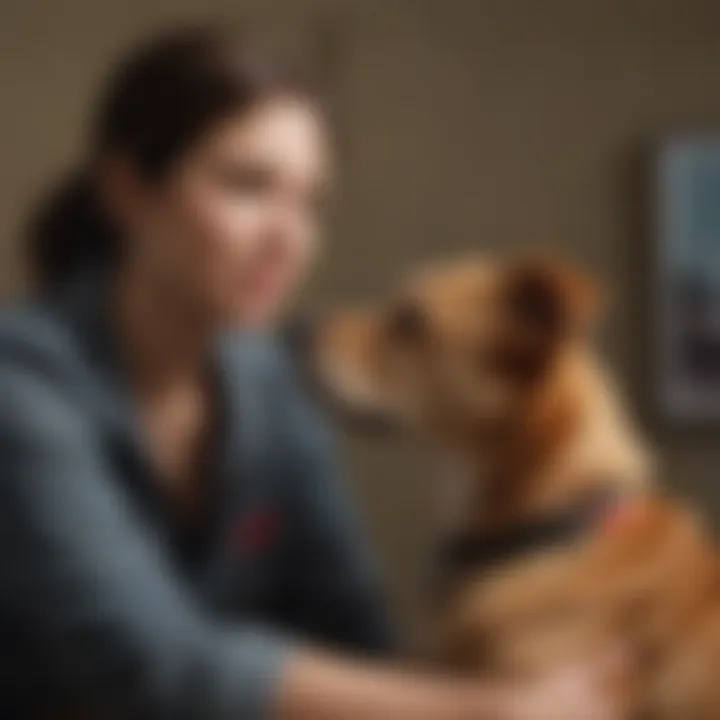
(252, 179)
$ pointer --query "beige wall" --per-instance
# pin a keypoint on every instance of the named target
(464, 125)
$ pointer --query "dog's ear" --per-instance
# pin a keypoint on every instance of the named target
(549, 297)
(544, 303)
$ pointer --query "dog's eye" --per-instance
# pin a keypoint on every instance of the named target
(408, 323)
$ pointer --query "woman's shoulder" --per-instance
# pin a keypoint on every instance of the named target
(34, 334)
(41, 357)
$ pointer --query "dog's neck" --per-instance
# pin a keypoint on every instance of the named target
(571, 439)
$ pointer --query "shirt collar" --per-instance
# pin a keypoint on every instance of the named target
(239, 360)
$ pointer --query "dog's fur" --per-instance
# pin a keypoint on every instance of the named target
(493, 362)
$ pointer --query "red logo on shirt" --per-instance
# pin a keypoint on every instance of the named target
(256, 531)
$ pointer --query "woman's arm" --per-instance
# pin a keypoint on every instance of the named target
(321, 688)
(316, 687)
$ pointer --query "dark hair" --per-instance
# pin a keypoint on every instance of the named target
(168, 93)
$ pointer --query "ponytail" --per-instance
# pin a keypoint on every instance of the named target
(70, 231)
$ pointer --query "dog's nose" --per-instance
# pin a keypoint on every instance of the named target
(299, 335)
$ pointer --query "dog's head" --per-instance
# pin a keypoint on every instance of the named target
(459, 350)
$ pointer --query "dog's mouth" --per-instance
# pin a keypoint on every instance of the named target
(323, 380)
(367, 422)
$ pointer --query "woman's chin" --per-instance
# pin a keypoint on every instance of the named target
(255, 316)
(259, 310)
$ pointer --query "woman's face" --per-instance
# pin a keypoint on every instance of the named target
(231, 231)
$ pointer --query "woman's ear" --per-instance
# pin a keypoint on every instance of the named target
(121, 189)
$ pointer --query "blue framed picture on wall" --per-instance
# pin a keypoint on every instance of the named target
(688, 287)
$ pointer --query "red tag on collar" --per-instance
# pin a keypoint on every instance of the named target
(623, 516)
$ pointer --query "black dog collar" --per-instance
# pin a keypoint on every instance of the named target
(481, 551)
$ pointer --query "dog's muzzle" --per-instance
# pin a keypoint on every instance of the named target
(301, 337)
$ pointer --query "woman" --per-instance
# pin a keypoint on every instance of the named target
(174, 541)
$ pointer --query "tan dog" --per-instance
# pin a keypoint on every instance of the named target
(493, 363)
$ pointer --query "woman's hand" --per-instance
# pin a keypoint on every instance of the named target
(589, 691)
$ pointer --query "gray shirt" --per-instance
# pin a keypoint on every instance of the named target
(106, 603)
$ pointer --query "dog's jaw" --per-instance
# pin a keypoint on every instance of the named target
(460, 489)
